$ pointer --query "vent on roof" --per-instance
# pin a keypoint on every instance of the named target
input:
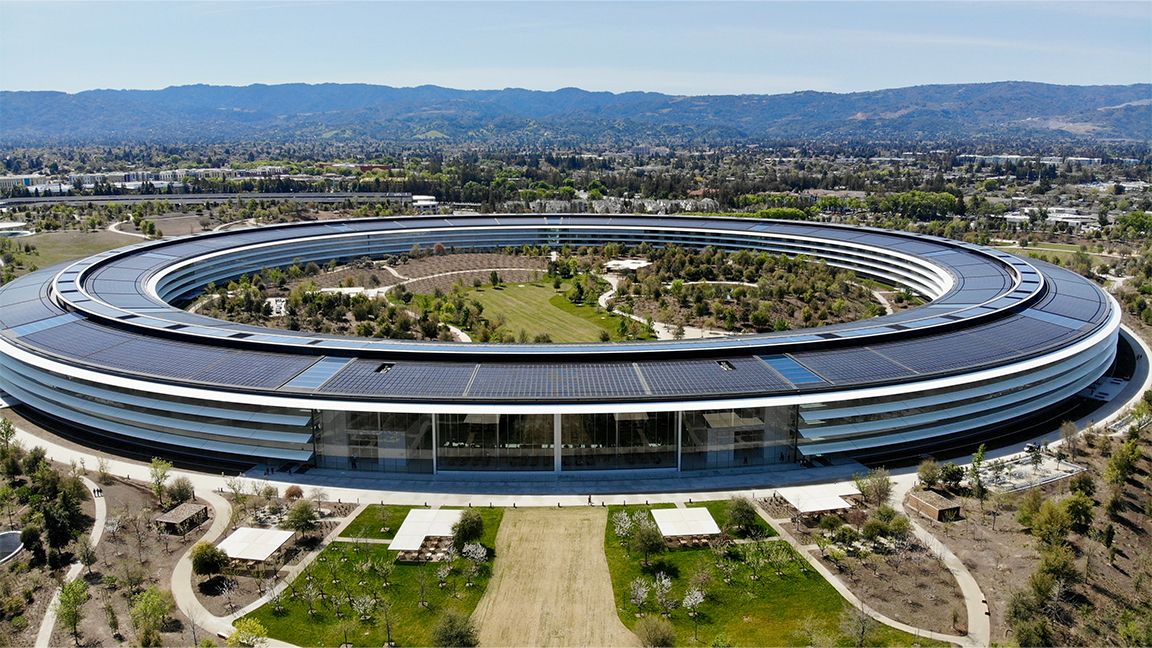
(725, 365)
(385, 367)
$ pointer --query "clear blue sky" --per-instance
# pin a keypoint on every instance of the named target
(674, 47)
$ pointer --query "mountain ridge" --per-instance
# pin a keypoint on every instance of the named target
(203, 113)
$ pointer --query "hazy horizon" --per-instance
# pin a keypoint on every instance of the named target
(678, 48)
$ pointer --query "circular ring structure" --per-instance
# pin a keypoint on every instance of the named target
(100, 345)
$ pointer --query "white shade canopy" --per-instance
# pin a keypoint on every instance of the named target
(251, 543)
(421, 523)
(685, 521)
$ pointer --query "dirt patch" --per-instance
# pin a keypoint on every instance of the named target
(551, 585)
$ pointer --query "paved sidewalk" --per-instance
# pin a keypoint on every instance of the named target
(182, 577)
(48, 623)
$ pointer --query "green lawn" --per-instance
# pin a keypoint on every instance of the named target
(719, 511)
(373, 520)
(537, 308)
(777, 609)
(56, 247)
(345, 571)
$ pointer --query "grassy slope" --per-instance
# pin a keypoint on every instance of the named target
(768, 612)
(412, 625)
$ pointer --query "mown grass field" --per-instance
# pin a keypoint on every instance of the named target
(57, 247)
(344, 572)
(537, 308)
(781, 608)
(373, 520)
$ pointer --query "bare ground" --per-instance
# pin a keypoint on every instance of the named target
(551, 585)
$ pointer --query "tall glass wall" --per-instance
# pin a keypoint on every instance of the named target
(496, 441)
(381, 441)
(399, 442)
(732, 438)
(618, 440)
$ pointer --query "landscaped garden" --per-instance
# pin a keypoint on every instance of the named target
(377, 521)
(358, 594)
(736, 592)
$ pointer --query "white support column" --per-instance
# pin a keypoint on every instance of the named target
(556, 446)
(435, 440)
(679, 436)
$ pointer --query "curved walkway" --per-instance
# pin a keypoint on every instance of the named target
(48, 623)
(182, 587)
(839, 586)
(115, 227)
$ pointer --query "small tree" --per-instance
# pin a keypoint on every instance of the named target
(469, 528)
(662, 588)
(86, 554)
(692, 600)
(857, 626)
(293, 493)
(1079, 509)
(638, 591)
(208, 559)
(7, 433)
(158, 473)
(951, 475)
(646, 539)
(929, 473)
(249, 632)
(1071, 437)
(875, 487)
(302, 517)
(1051, 523)
(70, 606)
(150, 610)
(455, 630)
(742, 514)
(976, 477)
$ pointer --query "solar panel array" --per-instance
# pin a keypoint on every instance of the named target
(709, 377)
(533, 381)
(401, 379)
(847, 366)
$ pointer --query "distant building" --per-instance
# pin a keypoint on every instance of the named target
(8, 182)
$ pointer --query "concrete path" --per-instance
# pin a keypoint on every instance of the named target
(663, 330)
(115, 227)
(182, 576)
(48, 623)
(839, 586)
(976, 604)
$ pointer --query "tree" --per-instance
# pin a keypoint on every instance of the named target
(302, 517)
(875, 487)
(646, 539)
(655, 632)
(7, 433)
(249, 632)
(692, 600)
(742, 514)
(455, 630)
(1079, 509)
(951, 475)
(150, 610)
(976, 477)
(293, 493)
(638, 591)
(1071, 437)
(158, 473)
(1051, 523)
(662, 588)
(86, 554)
(857, 626)
(70, 606)
(208, 559)
(929, 473)
(469, 528)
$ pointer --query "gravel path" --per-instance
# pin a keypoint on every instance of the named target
(551, 585)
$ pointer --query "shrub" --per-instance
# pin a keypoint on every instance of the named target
(1083, 483)
(1051, 523)
(180, 491)
(455, 629)
(655, 632)
(1079, 510)
(208, 559)
(929, 473)
(293, 492)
